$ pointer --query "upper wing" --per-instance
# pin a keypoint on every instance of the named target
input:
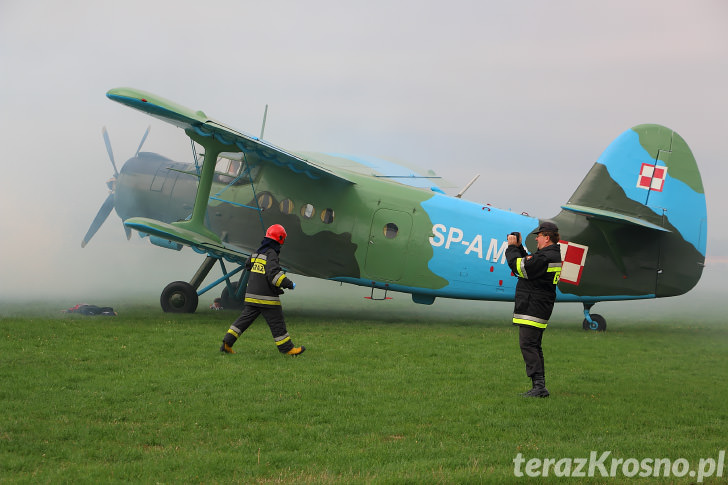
(378, 168)
(197, 125)
(198, 122)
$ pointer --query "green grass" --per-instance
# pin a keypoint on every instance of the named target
(393, 397)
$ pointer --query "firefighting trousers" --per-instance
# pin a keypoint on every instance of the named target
(273, 317)
(529, 338)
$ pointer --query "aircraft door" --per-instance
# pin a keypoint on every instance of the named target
(389, 237)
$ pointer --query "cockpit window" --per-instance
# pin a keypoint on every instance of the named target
(229, 171)
(227, 166)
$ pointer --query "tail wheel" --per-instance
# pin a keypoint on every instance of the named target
(598, 323)
(228, 299)
(179, 297)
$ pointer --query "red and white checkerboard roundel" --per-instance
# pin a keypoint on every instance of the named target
(573, 257)
(652, 177)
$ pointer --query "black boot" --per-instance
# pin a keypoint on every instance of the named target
(538, 389)
(227, 343)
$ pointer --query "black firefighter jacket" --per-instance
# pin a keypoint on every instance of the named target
(266, 279)
(538, 274)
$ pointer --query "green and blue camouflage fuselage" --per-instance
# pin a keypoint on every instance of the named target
(634, 228)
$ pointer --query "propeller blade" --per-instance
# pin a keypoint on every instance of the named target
(108, 149)
(143, 140)
(101, 216)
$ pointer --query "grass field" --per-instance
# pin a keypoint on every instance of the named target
(397, 394)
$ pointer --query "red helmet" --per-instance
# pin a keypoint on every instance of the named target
(277, 233)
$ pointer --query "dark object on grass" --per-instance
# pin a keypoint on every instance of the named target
(86, 309)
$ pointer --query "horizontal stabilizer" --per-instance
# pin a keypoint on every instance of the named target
(612, 216)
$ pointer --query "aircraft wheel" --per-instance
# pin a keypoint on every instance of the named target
(599, 323)
(179, 297)
(228, 300)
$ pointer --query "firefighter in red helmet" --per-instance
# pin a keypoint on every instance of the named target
(262, 296)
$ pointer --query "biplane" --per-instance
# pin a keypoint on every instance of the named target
(635, 228)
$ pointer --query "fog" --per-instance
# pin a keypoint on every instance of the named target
(527, 94)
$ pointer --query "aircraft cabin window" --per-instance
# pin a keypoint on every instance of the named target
(307, 211)
(287, 206)
(327, 216)
(391, 230)
(265, 201)
(227, 171)
(227, 166)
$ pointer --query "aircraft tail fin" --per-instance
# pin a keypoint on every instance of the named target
(643, 206)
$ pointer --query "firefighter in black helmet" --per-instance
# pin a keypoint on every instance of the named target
(265, 285)
(538, 274)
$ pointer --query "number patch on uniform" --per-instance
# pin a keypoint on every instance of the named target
(557, 274)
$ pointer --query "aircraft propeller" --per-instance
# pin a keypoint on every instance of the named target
(108, 204)
(105, 134)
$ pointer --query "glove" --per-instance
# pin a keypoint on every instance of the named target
(294, 285)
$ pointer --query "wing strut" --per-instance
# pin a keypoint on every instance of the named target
(255, 196)
(196, 223)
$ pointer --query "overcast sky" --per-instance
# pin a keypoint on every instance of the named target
(506, 89)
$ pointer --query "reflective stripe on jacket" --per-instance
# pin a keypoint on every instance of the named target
(538, 274)
(266, 279)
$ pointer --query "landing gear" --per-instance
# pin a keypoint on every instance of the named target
(179, 297)
(594, 322)
(228, 300)
(183, 297)
(232, 295)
